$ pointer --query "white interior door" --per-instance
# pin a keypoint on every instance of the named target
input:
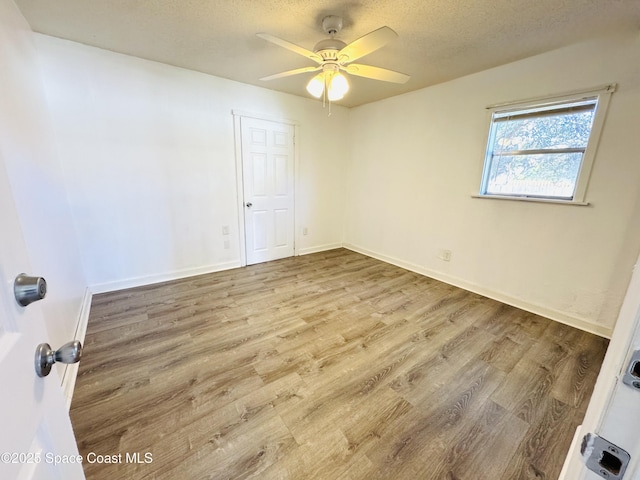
(614, 409)
(36, 429)
(268, 155)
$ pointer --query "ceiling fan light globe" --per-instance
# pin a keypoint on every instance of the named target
(338, 87)
(316, 85)
(334, 96)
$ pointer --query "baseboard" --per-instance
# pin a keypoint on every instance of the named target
(71, 371)
(552, 314)
(319, 248)
(162, 277)
(573, 469)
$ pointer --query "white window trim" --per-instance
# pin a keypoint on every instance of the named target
(531, 199)
(604, 96)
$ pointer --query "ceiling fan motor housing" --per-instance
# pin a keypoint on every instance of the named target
(328, 49)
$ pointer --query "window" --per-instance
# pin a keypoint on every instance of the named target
(544, 150)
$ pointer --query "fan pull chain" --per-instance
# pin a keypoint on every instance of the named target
(324, 91)
(327, 81)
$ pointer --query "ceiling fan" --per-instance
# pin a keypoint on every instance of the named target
(333, 56)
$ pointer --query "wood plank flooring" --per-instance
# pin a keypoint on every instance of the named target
(327, 366)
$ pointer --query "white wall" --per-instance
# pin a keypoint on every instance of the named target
(148, 154)
(28, 153)
(417, 159)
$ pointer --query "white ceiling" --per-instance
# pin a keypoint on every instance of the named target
(438, 39)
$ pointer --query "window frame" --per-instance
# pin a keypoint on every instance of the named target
(602, 95)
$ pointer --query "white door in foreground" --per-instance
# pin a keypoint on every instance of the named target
(268, 173)
(37, 441)
(614, 410)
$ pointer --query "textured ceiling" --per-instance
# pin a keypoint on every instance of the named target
(438, 39)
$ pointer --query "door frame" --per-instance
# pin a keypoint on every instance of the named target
(615, 361)
(237, 137)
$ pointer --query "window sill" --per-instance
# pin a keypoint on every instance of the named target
(532, 199)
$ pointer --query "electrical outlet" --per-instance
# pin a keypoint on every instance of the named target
(226, 244)
(305, 231)
(225, 229)
(445, 255)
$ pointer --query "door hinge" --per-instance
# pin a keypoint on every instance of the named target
(603, 457)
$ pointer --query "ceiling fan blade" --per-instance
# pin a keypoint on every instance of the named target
(376, 73)
(365, 45)
(288, 73)
(291, 46)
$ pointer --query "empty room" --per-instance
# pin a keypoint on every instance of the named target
(320, 240)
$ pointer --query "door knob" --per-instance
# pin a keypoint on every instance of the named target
(70, 352)
(249, 204)
(28, 289)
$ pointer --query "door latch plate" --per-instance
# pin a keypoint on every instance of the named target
(603, 457)
(632, 374)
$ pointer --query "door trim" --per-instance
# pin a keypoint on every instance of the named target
(615, 361)
(70, 374)
(237, 137)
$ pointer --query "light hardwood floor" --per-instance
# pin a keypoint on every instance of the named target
(327, 366)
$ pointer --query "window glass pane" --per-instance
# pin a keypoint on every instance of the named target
(544, 148)
(550, 131)
(542, 175)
